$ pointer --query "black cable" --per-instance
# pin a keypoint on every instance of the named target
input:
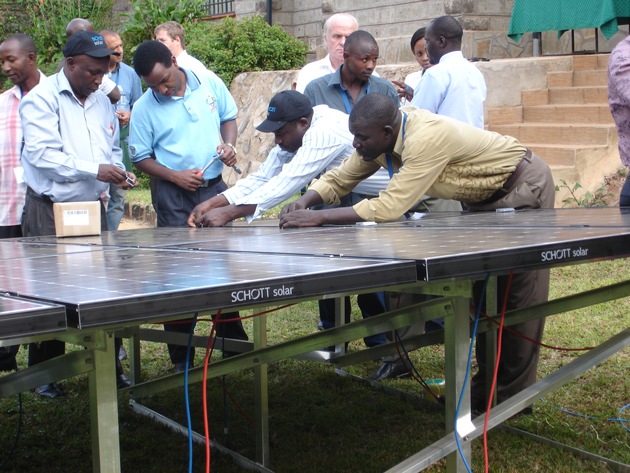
(17, 435)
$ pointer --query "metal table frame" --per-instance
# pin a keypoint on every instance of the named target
(585, 235)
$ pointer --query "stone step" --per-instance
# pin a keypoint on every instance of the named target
(558, 133)
(590, 61)
(579, 95)
(561, 156)
(577, 78)
(504, 116)
(568, 95)
(568, 113)
(590, 78)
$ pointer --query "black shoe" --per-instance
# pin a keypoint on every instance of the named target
(122, 353)
(51, 390)
(181, 367)
(230, 354)
(391, 370)
(122, 381)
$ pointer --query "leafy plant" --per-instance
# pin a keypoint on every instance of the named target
(229, 47)
(147, 14)
(46, 22)
(587, 200)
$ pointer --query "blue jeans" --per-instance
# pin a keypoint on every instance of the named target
(115, 207)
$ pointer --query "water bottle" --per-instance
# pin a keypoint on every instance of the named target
(123, 103)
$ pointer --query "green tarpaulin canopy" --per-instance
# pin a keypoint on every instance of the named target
(562, 15)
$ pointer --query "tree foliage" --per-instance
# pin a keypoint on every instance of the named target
(232, 46)
(46, 22)
(147, 14)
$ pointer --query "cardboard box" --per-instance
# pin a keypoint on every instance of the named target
(77, 218)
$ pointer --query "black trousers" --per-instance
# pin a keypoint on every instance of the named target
(173, 205)
(38, 220)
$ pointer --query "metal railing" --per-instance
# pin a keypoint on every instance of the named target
(219, 7)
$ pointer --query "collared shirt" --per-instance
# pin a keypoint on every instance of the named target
(65, 141)
(184, 132)
(12, 191)
(433, 155)
(125, 77)
(330, 91)
(313, 70)
(413, 79)
(619, 95)
(455, 87)
(325, 145)
(186, 61)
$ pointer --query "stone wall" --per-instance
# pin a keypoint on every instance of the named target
(392, 22)
(253, 90)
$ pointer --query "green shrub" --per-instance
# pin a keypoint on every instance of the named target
(46, 22)
(229, 47)
(147, 14)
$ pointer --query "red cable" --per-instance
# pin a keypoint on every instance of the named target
(496, 372)
(209, 350)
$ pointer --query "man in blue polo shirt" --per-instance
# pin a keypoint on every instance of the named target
(130, 89)
(181, 120)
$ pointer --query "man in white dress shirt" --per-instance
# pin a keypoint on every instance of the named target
(454, 86)
(70, 153)
(171, 34)
(336, 30)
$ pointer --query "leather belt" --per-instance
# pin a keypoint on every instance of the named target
(211, 182)
(510, 181)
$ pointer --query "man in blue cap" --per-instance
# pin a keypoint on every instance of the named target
(70, 153)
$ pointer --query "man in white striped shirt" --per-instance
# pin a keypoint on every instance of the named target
(309, 141)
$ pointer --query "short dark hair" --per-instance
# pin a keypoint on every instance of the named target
(417, 36)
(448, 27)
(375, 108)
(148, 54)
(25, 41)
(359, 37)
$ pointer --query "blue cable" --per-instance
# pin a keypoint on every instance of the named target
(186, 397)
(470, 350)
(619, 419)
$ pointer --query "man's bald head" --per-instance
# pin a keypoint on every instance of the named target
(78, 24)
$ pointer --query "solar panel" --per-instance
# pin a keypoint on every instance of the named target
(23, 318)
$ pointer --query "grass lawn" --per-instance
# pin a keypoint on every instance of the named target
(320, 421)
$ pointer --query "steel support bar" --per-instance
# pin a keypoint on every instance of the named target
(261, 394)
(63, 367)
(381, 323)
(239, 459)
(104, 408)
(612, 465)
(516, 403)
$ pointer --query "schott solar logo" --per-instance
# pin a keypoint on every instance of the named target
(261, 293)
(563, 253)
